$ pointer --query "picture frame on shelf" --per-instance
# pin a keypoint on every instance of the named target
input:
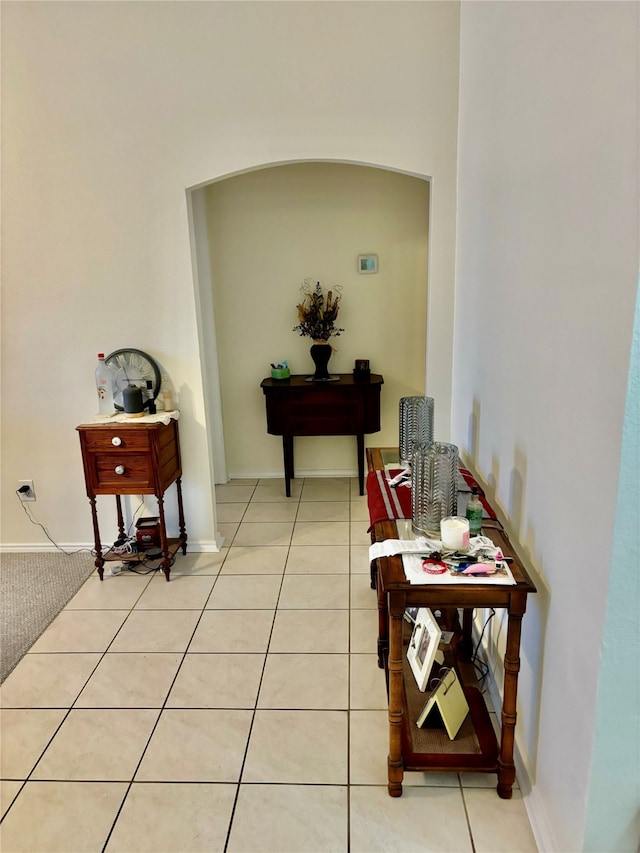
(448, 697)
(410, 614)
(423, 646)
(362, 371)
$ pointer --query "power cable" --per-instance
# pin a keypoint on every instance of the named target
(46, 532)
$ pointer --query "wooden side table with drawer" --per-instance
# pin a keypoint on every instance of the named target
(133, 459)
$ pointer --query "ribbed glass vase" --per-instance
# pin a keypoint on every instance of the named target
(416, 425)
(434, 486)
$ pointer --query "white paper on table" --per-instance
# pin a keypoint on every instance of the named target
(415, 574)
(479, 546)
(391, 547)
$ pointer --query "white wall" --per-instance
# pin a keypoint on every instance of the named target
(546, 274)
(110, 111)
(272, 228)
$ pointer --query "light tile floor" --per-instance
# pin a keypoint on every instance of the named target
(237, 708)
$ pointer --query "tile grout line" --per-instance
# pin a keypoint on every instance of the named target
(78, 694)
(257, 697)
(164, 704)
(466, 814)
(168, 693)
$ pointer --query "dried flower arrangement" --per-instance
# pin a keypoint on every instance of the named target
(316, 319)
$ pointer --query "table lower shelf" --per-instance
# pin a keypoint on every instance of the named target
(475, 747)
(173, 546)
(164, 561)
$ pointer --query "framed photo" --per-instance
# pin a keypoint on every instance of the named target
(423, 646)
(367, 264)
(410, 614)
(362, 372)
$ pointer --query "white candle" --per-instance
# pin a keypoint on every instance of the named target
(454, 532)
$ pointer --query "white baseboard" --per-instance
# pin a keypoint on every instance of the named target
(279, 475)
(193, 546)
(536, 811)
(47, 548)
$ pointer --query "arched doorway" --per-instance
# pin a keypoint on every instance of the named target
(255, 236)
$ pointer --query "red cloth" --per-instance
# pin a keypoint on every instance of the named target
(385, 502)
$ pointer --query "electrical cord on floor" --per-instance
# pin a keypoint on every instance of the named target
(92, 551)
(147, 563)
(46, 532)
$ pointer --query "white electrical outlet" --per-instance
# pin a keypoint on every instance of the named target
(26, 490)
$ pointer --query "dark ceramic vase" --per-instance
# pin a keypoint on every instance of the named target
(321, 353)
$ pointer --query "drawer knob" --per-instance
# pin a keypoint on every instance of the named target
(119, 469)
(116, 440)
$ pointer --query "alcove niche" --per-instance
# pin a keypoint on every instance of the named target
(255, 236)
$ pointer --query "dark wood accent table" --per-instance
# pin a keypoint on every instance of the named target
(345, 406)
(133, 459)
(395, 594)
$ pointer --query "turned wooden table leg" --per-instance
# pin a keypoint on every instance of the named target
(99, 563)
(383, 621)
(183, 529)
(373, 566)
(120, 516)
(360, 438)
(396, 689)
(506, 767)
(165, 565)
(287, 452)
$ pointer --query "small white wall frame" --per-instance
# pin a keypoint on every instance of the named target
(367, 264)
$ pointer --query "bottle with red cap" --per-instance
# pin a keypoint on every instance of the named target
(104, 387)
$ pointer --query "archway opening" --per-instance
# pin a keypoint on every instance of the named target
(255, 236)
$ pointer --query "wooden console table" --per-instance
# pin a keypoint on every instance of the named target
(133, 459)
(296, 406)
(409, 746)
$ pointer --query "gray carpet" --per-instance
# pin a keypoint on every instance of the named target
(33, 590)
